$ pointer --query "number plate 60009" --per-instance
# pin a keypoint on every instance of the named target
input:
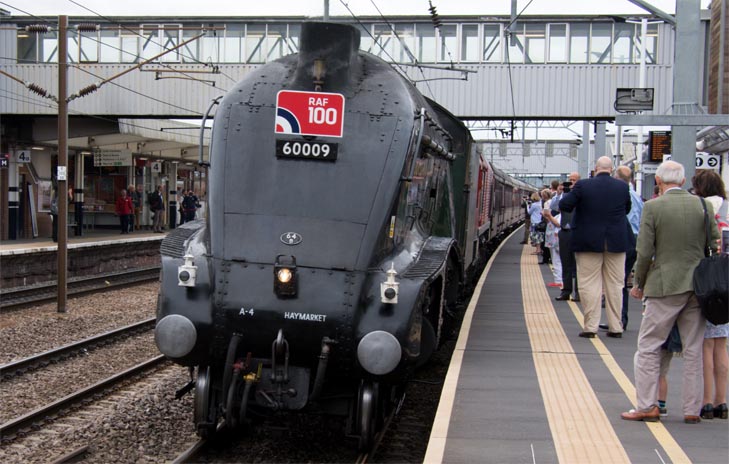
(303, 149)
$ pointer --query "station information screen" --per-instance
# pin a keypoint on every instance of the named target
(659, 144)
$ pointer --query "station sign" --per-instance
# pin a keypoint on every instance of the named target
(22, 156)
(112, 158)
(309, 113)
(4, 160)
(707, 161)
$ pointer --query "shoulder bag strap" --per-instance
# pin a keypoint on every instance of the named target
(707, 248)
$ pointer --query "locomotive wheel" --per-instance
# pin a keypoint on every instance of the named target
(204, 417)
(367, 415)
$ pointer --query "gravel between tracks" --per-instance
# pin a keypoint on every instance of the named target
(27, 392)
(140, 424)
(39, 328)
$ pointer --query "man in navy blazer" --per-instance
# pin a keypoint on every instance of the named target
(600, 240)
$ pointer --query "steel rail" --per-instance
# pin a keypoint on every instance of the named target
(72, 349)
(21, 296)
(33, 420)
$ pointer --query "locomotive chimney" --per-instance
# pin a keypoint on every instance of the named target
(327, 56)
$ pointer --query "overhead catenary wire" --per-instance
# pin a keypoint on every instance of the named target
(508, 66)
(194, 59)
(399, 68)
(124, 51)
(407, 49)
(43, 104)
(194, 113)
(137, 92)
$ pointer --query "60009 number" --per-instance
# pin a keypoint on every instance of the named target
(321, 151)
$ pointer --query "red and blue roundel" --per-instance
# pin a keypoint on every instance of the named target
(309, 113)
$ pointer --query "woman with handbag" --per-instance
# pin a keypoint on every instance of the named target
(709, 185)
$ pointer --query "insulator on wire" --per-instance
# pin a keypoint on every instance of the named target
(434, 15)
(87, 90)
(38, 28)
(87, 27)
(37, 89)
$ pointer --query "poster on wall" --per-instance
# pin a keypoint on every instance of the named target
(44, 196)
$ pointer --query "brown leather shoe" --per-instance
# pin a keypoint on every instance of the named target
(587, 334)
(651, 414)
(615, 334)
(691, 419)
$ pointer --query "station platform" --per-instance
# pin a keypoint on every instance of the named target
(522, 387)
(91, 238)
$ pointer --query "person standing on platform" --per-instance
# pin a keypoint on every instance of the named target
(708, 184)
(525, 203)
(535, 215)
(600, 240)
(124, 209)
(670, 245)
(566, 254)
(136, 202)
(157, 205)
(189, 205)
(625, 174)
(54, 213)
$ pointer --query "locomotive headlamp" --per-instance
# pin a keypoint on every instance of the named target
(389, 288)
(285, 280)
(284, 275)
(175, 335)
(187, 272)
(379, 352)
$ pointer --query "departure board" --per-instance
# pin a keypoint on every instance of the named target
(659, 144)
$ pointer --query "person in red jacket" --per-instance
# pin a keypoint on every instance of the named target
(124, 209)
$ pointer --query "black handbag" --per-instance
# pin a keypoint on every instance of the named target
(711, 281)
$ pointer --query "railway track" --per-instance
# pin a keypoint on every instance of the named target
(34, 420)
(12, 298)
(22, 366)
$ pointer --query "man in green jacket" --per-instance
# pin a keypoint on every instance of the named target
(670, 245)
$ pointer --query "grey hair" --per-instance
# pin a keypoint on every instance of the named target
(671, 172)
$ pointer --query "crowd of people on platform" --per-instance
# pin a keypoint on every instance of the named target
(601, 233)
(130, 203)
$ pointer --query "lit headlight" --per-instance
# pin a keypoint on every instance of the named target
(284, 275)
(285, 281)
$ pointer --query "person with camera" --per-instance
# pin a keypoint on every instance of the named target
(566, 254)
(600, 241)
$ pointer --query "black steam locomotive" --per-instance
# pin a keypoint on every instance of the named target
(346, 213)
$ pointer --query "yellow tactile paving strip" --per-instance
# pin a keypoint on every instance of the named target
(670, 446)
(580, 434)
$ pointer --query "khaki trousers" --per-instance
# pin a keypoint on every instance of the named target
(600, 273)
(658, 319)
